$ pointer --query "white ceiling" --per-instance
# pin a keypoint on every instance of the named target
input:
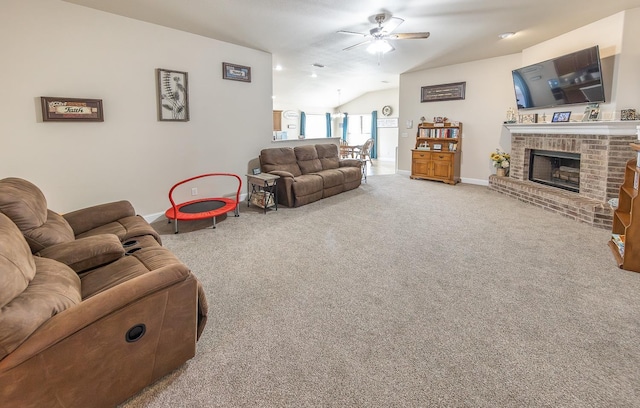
(300, 33)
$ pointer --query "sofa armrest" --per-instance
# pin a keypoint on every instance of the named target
(89, 218)
(91, 310)
(281, 173)
(86, 253)
(350, 163)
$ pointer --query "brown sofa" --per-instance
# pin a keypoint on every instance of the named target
(90, 319)
(311, 172)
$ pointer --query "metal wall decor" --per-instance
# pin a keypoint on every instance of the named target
(173, 95)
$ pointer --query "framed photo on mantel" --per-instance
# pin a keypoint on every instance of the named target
(561, 117)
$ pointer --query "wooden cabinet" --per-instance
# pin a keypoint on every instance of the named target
(436, 155)
(277, 120)
(625, 233)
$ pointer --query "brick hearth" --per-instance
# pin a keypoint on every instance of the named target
(604, 150)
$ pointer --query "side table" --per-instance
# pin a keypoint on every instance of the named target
(264, 191)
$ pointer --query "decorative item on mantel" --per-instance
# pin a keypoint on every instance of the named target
(500, 161)
(511, 116)
(628, 114)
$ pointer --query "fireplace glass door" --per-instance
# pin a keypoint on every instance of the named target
(556, 169)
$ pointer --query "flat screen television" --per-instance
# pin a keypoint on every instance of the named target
(570, 79)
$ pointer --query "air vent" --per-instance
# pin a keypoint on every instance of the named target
(317, 65)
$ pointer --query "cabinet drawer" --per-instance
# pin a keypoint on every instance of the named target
(421, 155)
(441, 156)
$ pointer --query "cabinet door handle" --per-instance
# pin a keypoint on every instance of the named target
(441, 157)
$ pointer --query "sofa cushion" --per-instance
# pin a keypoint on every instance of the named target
(331, 178)
(136, 264)
(54, 288)
(23, 202)
(17, 267)
(54, 231)
(281, 159)
(328, 155)
(125, 229)
(308, 159)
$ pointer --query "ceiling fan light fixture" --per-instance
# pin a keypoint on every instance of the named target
(379, 47)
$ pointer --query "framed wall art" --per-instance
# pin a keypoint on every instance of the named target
(173, 95)
(71, 109)
(444, 92)
(236, 72)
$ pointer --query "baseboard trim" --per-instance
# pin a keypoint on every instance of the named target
(478, 182)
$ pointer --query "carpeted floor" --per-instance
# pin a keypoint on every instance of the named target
(407, 293)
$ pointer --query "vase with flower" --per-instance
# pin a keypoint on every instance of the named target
(500, 161)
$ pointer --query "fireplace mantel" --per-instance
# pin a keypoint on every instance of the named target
(608, 128)
(603, 147)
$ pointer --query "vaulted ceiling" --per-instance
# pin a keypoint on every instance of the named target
(300, 33)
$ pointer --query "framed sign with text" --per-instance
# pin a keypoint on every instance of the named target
(71, 109)
(444, 92)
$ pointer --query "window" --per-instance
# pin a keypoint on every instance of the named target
(316, 126)
(359, 129)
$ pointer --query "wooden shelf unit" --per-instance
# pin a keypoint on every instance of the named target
(441, 161)
(277, 120)
(626, 218)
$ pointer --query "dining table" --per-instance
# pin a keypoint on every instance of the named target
(349, 150)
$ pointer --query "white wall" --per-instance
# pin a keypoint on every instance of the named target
(489, 90)
(367, 103)
(489, 93)
(54, 48)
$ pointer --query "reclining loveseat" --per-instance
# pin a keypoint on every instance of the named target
(311, 172)
(92, 307)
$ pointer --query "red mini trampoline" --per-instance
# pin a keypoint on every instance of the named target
(204, 207)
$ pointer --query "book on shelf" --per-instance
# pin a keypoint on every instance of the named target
(618, 239)
(440, 133)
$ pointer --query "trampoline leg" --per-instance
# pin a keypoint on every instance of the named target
(175, 226)
(214, 223)
(237, 211)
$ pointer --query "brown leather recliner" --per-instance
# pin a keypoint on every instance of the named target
(94, 338)
(92, 308)
(26, 205)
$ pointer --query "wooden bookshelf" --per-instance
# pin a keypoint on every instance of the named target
(436, 155)
(625, 233)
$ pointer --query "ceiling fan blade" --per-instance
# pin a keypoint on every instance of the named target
(391, 24)
(408, 36)
(356, 45)
(352, 33)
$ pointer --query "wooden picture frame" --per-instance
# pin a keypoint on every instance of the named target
(59, 109)
(172, 88)
(236, 72)
(444, 92)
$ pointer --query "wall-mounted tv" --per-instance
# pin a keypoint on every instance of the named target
(570, 79)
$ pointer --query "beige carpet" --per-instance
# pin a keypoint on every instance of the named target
(407, 293)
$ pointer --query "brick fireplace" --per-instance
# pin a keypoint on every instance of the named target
(604, 150)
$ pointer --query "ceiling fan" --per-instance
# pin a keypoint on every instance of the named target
(378, 36)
